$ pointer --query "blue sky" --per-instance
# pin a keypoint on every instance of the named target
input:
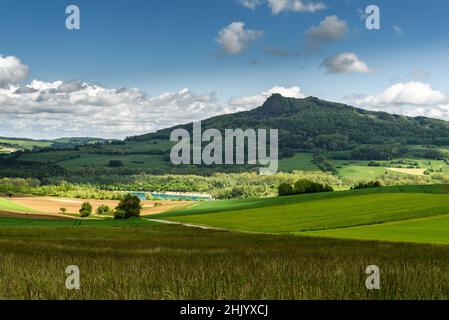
(162, 47)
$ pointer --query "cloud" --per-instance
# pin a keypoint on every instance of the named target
(411, 98)
(249, 102)
(330, 29)
(398, 31)
(362, 14)
(411, 93)
(284, 53)
(250, 4)
(234, 38)
(345, 63)
(74, 108)
(279, 6)
(12, 70)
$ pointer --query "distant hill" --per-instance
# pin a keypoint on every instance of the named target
(77, 141)
(313, 135)
(312, 123)
(12, 144)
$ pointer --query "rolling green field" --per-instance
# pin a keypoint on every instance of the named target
(300, 161)
(25, 143)
(147, 156)
(390, 214)
(425, 230)
(230, 205)
(99, 156)
(357, 169)
(129, 161)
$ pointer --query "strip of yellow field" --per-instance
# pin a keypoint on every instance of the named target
(413, 172)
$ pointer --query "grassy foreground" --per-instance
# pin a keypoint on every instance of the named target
(175, 262)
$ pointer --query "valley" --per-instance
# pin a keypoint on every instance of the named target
(386, 203)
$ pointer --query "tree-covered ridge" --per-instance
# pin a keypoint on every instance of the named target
(312, 123)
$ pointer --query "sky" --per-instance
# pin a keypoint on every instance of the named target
(136, 66)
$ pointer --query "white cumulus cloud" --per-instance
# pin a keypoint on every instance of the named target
(249, 102)
(250, 4)
(234, 38)
(279, 6)
(12, 70)
(344, 63)
(330, 29)
(407, 98)
(74, 108)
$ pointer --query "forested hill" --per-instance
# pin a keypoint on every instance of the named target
(311, 123)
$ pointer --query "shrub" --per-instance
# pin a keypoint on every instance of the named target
(86, 210)
(321, 162)
(103, 210)
(285, 189)
(119, 214)
(115, 164)
(63, 211)
(304, 186)
(366, 185)
(127, 208)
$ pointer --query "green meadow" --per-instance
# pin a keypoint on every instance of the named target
(300, 161)
(25, 143)
(136, 155)
(425, 230)
(415, 213)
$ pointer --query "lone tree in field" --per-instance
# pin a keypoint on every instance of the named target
(129, 207)
(86, 210)
(63, 211)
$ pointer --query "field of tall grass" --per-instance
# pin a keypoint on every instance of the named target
(174, 262)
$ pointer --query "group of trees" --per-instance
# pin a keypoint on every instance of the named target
(303, 186)
(323, 164)
(367, 185)
(378, 152)
(129, 207)
(13, 168)
(220, 186)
